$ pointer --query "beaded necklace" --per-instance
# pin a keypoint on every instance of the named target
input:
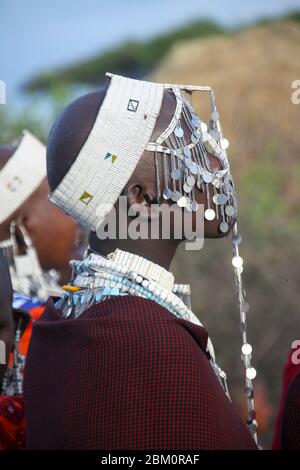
(97, 278)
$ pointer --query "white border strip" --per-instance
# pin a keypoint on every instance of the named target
(120, 134)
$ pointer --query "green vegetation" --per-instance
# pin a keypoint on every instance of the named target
(134, 58)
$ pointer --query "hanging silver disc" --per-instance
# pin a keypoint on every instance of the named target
(182, 201)
(195, 121)
(194, 168)
(224, 227)
(175, 196)
(175, 174)
(224, 144)
(188, 162)
(229, 210)
(187, 188)
(203, 127)
(189, 206)
(215, 116)
(178, 132)
(207, 177)
(209, 214)
(190, 180)
(215, 135)
(222, 199)
(194, 206)
(167, 193)
(187, 152)
(212, 124)
(236, 240)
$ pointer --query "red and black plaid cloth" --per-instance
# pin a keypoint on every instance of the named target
(127, 374)
(287, 426)
(290, 429)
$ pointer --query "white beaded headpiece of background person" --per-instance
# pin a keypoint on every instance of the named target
(22, 174)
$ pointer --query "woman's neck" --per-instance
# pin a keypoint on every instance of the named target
(158, 251)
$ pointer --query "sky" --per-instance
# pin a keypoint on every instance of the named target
(38, 35)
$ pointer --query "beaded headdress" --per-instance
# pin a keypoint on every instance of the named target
(122, 132)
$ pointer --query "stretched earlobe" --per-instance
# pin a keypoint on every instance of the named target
(139, 197)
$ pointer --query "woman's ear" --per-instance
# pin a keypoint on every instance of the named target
(135, 193)
(140, 199)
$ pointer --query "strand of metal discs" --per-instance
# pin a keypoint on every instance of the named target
(189, 167)
(250, 372)
(237, 262)
(194, 168)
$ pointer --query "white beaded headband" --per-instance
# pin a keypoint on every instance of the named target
(22, 174)
(109, 156)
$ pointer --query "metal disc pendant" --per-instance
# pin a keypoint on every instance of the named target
(187, 152)
(167, 194)
(224, 144)
(175, 175)
(222, 199)
(182, 201)
(188, 162)
(189, 206)
(237, 261)
(175, 196)
(207, 177)
(203, 127)
(215, 116)
(190, 180)
(215, 135)
(187, 188)
(194, 168)
(229, 210)
(195, 121)
(178, 132)
(212, 124)
(194, 139)
(224, 227)
(209, 214)
(205, 137)
(236, 240)
(194, 206)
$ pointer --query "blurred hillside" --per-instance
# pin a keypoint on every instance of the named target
(251, 73)
(134, 58)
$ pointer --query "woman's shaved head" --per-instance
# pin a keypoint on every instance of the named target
(69, 133)
(74, 125)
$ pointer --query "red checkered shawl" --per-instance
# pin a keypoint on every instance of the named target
(287, 426)
(127, 374)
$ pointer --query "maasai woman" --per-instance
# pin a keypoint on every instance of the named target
(139, 370)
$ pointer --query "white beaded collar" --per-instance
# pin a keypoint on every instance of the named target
(144, 267)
